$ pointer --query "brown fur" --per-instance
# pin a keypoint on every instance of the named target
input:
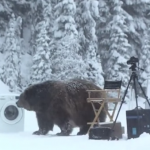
(63, 103)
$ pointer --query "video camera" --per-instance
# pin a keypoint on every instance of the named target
(133, 60)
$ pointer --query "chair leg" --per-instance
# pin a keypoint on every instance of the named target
(95, 112)
(108, 114)
(94, 108)
(112, 116)
(97, 115)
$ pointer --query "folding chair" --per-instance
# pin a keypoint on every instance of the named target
(110, 94)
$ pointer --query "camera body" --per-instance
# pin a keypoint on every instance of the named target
(133, 60)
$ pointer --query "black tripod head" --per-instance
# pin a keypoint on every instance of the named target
(133, 67)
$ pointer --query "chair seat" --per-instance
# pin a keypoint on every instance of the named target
(103, 99)
(103, 90)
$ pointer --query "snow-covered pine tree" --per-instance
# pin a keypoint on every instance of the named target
(137, 11)
(117, 68)
(41, 69)
(10, 74)
(94, 68)
(66, 62)
(49, 16)
(3, 16)
(80, 29)
(145, 55)
(103, 32)
(34, 17)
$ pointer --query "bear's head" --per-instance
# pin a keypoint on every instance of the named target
(34, 98)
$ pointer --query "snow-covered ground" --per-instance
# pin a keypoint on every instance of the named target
(26, 141)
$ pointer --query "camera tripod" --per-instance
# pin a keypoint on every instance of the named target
(133, 77)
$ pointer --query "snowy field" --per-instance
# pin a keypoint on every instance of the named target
(26, 141)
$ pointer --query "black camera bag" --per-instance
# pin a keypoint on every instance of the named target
(100, 133)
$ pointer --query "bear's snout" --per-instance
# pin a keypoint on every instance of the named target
(23, 104)
(17, 104)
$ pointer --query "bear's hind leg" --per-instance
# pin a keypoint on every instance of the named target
(83, 130)
(66, 129)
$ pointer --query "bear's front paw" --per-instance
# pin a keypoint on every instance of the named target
(40, 132)
(37, 133)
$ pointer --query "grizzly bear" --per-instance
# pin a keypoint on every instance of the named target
(61, 103)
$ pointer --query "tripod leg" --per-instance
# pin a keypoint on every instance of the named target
(135, 90)
(135, 78)
(143, 93)
(121, 103)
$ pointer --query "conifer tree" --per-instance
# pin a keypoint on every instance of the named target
(145, 55)
(117, 68)
(41, 69)
(66, 62)
(87, 26)
(11, 74)
(137, 18)
(103, 31)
